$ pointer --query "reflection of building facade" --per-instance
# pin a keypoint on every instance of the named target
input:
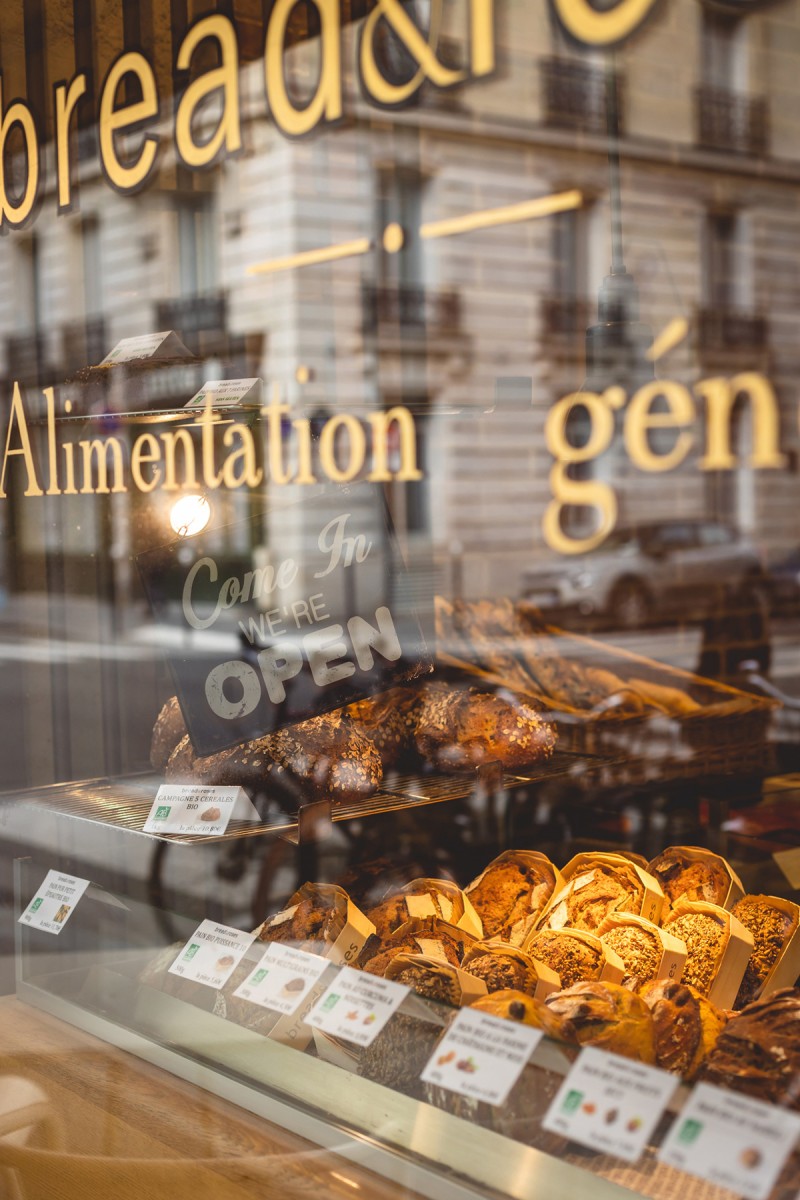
(452, 328)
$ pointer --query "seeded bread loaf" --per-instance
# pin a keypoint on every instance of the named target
(772, 925)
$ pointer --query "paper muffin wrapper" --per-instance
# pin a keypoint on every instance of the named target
(652, 899)
(531, 858)
(464, 987)
(612, 969)
(547, 980)
(456, 908)
(673, 950)
(786, 968)
(699, 854)
(735, 954)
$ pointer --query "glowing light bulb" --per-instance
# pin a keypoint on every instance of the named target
(190, 515)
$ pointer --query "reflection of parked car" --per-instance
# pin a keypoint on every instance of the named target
(648, 572)
(784, 584)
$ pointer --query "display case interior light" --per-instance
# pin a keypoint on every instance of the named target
(190, 515)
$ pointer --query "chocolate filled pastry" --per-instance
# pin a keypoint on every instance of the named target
(605, 1015)
(168, 731)
(511, 894)
(429, 936)
(758, 1051)
(573, 958)
(686, 1025)
(690, 873)
(772, 923)
(513, 1005)
(324, 756)
(460, 730)
(590, 896)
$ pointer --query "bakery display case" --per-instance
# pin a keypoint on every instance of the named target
(399, 604)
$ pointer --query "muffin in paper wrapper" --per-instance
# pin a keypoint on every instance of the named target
(426, 898)
(602, 963)
(527, 975)
(322, 919)
(718, 953)
(719, 884)
(664, 954)
(501, 914)
(597, 884)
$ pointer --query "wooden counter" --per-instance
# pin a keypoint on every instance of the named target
(113, 1104)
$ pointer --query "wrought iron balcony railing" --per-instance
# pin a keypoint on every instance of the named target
(199, 320)
(564, 316)
(415, 308)
(83, 344)
(732, 122)
(26, 355)
(574, 95)
(727, 330)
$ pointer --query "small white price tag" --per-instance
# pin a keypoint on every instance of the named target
(226, 391)
(610, 1103)
(54, 902)
(731, 1140)
(481, 1056)
(212, 954)
(190, 808)
(130, 349)
(283, 978)
(356, 1006)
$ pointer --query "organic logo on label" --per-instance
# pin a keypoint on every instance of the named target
(162, 812)
(190, 953)
(689, 1132)
(37, 904)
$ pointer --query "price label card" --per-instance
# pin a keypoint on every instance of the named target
(226, 391)
(732, 1141)
(356, 1006)
(205, 811)
(610, 1103)
(54, 902)
(481, 1056)
(283, 978)
(212, 954)
(133, 348)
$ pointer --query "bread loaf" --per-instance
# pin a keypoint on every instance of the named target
(511, 893)
(605, 1015)
(460, 730)
(771, 926)
(686, 1025)
(758, 1052)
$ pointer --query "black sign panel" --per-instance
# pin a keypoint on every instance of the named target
(313, 615)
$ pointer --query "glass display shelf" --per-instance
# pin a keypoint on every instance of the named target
(441, 1145)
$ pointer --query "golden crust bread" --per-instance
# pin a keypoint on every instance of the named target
(590, 896)
(686, 1025)
(573, 958)
(605, 1015)
(511, 893)
(514, 1005)
(461, 730)
(690, 876)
